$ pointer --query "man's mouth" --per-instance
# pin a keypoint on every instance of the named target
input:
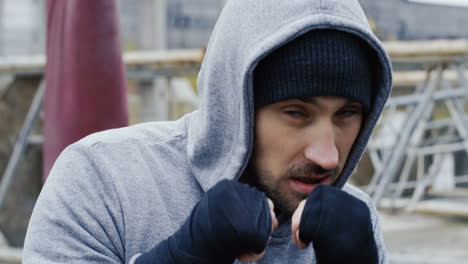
(306, 185)
(308, 180)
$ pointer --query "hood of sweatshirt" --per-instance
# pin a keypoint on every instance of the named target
(221, 132)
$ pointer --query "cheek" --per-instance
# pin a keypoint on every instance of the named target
(271, 150)
(345, 141)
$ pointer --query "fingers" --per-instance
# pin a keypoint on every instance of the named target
(295, 222)
(250, 257)
(273, 216)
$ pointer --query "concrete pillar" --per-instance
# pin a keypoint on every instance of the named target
(153, 24)
(40, 22)
(155, 99)
(2, 34)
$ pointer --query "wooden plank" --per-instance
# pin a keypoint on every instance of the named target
(153, 59)
(10, 255)
(452, 206)
(413, 78)
(427, 48)
(444, 207)
(434, 49)
(163, 58)
(160, 60)
(22, 64)
(455, 193)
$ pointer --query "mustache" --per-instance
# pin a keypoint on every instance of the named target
(310, 169)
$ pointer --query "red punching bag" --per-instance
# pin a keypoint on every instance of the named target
(85, 77)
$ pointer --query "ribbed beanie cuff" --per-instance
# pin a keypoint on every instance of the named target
(318, 63)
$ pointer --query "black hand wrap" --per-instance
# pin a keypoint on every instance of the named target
(340, 227)
(231, 219)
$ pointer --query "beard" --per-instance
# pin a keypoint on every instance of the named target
(277, 189)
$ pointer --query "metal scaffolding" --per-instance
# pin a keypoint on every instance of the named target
(423, 129)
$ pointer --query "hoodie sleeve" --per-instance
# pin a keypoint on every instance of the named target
(378, 236)
(77, 217)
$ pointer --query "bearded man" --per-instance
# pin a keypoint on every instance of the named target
(290, 93)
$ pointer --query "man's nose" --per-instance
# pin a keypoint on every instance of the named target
(321, 147)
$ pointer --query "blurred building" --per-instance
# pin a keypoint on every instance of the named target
(187, 23)
(175, 24)
(190, 22)
(418, 19)
(22, 27)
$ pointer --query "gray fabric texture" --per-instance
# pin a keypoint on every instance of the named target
(118, 193)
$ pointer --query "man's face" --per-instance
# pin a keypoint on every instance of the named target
(300, 144)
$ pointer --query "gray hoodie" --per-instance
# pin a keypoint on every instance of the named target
(120, 192)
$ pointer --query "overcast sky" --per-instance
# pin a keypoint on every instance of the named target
(444, 2)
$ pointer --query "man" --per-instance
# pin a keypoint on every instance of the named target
(290, 92)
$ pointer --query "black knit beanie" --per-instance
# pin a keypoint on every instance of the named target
(319, 63)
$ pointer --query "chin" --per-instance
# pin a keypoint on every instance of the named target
(286, 204)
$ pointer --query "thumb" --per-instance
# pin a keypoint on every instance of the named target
(273, 215)
(252, 257)
(295, 224)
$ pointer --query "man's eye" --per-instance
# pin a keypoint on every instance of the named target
(349, 112)
(295, 113)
